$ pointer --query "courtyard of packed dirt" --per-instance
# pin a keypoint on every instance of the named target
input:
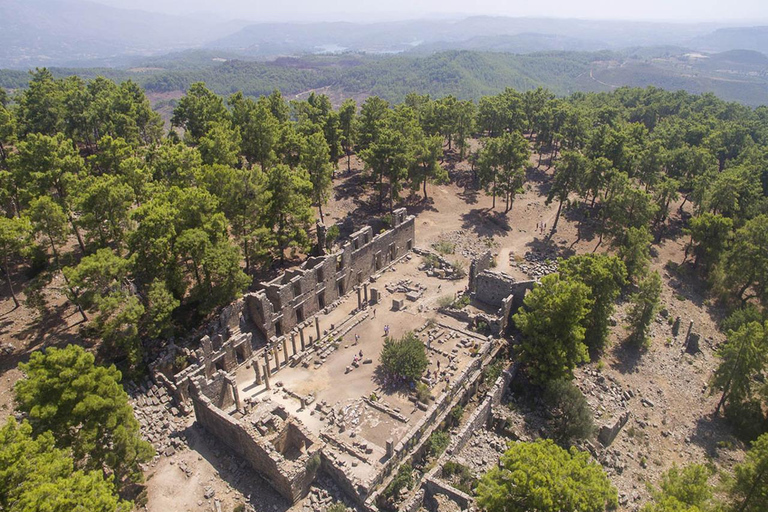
(664, 388)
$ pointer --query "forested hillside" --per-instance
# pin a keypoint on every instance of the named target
(734, 76)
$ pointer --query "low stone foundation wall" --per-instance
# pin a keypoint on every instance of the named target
(432, 483)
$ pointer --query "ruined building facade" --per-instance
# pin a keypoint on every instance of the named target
(298, 294)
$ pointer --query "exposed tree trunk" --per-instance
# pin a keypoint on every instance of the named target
(744, 289)
(381, 191)
(71, 289)
(10, 284)
(727, 387)
(77, 231)
(557, 217)
(751, 492)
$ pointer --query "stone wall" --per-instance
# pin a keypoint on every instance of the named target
(464, 386)
(476, 266)
(298, 294)
(290, 477)
(215, 354)
(479, 419)
(493, 287)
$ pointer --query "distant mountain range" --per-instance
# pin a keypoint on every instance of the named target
(79, 32)
(84, 33)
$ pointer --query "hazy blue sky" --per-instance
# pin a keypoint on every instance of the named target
(300, 10)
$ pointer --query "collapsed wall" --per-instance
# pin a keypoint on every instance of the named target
(275, 444)
(296, 295)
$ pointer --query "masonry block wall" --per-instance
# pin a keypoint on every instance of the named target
(476, 266)
(494, 287)
(291, 477)
(290, 299)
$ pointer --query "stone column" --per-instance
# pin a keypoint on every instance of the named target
(235, 393)
(285, 351)
(266, 377)
(317, 328)
(301, 336)
(257, 371)
(293, 342)
(359, 298)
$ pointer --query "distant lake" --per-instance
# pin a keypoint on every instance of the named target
(330, 48)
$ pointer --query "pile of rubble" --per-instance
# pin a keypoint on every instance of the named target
(437, 266)
(412, 291)
(323, 493)
(466, 243)
(482, 451)
(159, 418)
(536, 265)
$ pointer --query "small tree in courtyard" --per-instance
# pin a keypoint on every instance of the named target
(404, 359)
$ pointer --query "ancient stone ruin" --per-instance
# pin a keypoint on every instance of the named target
(280, 379)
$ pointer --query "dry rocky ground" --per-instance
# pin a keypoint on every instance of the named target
(664, 388)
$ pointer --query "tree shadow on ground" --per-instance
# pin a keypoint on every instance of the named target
(417, 204)
(485, 223)
(584, 218)
(627, 357)
(389, 386)
(469, 195)
(234, 470)
(548, 247)
(709, 431)
(540, 178)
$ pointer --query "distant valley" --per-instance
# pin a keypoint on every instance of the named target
(467, 57)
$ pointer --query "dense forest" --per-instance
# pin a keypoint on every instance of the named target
(467, 75)
(151, 231)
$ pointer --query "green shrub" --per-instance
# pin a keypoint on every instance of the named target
(460, 476)
(313, 463)
(422, 393)
(571, 414)
(459, 269)
(438, 442)
(331, 235)
(461, 302)
(444, 247)
(403, 480)
(405, 358)
(446, 301)
(431, 260)
(492, 371)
